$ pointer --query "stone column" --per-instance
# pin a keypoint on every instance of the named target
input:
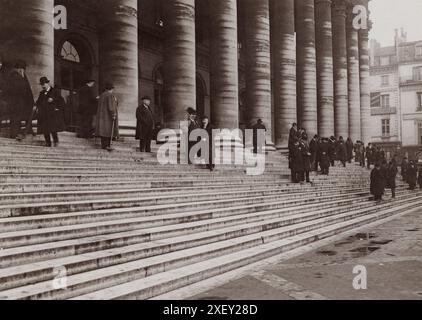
(224, 64)
(284, 56)
(118, 52)
(353, 79)
(341, 94)
(27, 33)
(324, 52)
(179, 61)
(306, 66)
(258, 63)
(365, 94)
(283, 49)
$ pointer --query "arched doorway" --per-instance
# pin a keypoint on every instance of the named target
(74, 67)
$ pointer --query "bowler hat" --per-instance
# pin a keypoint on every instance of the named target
(44, 80)
(191, 111)
(109, 86)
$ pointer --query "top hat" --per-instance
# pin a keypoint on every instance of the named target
(146, 98)
(44, 80)
(191, 111)
(109, 86)
(89, 80)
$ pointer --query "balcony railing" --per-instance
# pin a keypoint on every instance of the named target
(383, 111)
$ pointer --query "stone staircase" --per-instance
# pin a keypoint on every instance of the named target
(121, 226)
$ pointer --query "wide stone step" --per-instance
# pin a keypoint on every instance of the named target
(208, 199)
(103, 278)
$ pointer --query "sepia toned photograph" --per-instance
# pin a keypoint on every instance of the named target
(232, 151)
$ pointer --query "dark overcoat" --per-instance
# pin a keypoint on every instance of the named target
(324, 155)
(420, 177)
(19, 95)
(297, 164)
(87, 101)
(391, 177)
(377, 182)
(342, 152)
(349, 147)
(411, 175)
(107, 110)
(50, 112)
(306, 154)
(144, 123)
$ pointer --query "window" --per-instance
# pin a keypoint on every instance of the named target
(385, 127)
(70, 53)
(377, 61)
(385, 101)
(419, 96)
(418, 51)
(417, 73)
(375, 100)
(385, 80)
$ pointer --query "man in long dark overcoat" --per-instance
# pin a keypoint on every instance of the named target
(377, 182)
(208, 127)
(144, 125)
(324, 156)
(20, 100)
(349, 147)
(87, 109)
(107, 120)
(313, 149)
(342, 152)
(391, 178)
(412, 175)
(50, 110)
(297, 167)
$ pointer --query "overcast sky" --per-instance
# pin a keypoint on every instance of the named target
(388, 15)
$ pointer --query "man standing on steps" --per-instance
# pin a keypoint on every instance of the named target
(144, 125)
(50, 106)
(324, 156)
(342, 152)
(391, 178)
(369, 155)
(107, 121)
(349, 147)
(377, 182)
(412, 175)
(87, 109)
(313, 149)
(257, 127)
(21, 101)
(207, 126)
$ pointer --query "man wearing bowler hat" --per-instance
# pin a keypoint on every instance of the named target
(50, 107)
(20, 100)
(144, 125)
(107, 120)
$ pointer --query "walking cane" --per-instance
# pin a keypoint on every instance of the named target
(112, 132)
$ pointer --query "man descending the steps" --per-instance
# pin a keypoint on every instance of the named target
(257, 127)
(412, 175)
(144, 125)
(297, 164)
(192, 126)
(87, 109)
(107, 121)
(391, 178)
(377, 182)
(21, 101)
(369, 155)
(324, 156)
(50, 110)
(332, 151)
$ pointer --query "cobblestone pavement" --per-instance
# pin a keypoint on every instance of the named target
(390, 252)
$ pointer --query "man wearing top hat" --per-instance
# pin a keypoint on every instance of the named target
(87, 109)
(144, 125)
(50, 109)
(107, 120)
(21, 101)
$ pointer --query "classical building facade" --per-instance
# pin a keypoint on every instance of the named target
(233, 60)
(396, 92)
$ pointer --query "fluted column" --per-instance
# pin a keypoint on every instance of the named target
(324, 52)
(224, 64)
(27, 33)
(179, 61)
(353, 79)
(258, 63)
(341, 91)
(306, 66)
(119, 53)
(365, 94)
(284, 56)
